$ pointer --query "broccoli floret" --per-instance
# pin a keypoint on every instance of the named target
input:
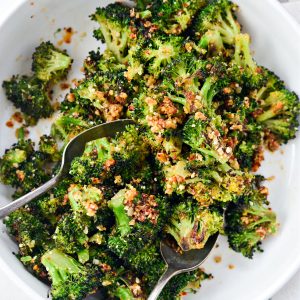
(114, 30)
(70, 279)
(280, 113)
(78, 229)
(213, 42)
(123, 157)
(65, 127)
(102, 97)
(273, 83)
(98, 62)
(160, 52)
(117, 281)
(70, 234)
(191, 226)
(205, 180)
(139, 218)
(48, 146)
(32, 235)
(23, 168)
(49, 63)
(217, 24)
(247, 149)
(196, 83)
(247, 223)
(182, 283)
(11, 160)
(172, 17)
(203, 136)
(92, 161)
(53, 205)
(29, 94)
(85, 200)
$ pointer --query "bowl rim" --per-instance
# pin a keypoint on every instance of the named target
(7, 10)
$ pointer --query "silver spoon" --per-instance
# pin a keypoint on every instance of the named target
(178, 263)
(73, 149)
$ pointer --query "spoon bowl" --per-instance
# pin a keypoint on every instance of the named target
(178, 263)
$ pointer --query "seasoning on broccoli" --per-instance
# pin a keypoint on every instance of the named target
(203, 110)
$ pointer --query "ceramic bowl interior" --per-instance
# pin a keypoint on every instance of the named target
(276, 42)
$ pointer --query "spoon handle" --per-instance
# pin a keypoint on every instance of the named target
(7, 209)
(164, 279)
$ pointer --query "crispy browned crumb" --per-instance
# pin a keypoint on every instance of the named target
(105, 267)
(71, 97)
(259, 157)
(110, 162)
(141, 210)
(271, 178)
(20, 175)
(67, 36)
(56, 105)
(167, 107)
(231, 267)
(217, 259)
(112, 112)
(271, 141)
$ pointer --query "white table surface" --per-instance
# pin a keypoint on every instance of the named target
(291, 291)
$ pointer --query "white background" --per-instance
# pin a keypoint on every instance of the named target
(10, 291)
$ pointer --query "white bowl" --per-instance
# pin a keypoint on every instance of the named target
(276, 40)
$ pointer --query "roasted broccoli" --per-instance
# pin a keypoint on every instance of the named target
(139, 218)
(50, 64)
(279, 114)
(248, 222)
(216, 25)
(23, 168)
(114, 28)
(202, 110)
(191, 226)
(69, 279)
(32, 235)
(172, 17)
(30, 94)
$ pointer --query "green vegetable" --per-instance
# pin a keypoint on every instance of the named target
(203, 109)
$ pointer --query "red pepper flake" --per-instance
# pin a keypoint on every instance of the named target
(67, 36)
(64, 85)
(10, 124)
(17, 116)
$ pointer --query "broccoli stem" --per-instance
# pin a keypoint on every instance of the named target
(123, 293)
(269, 114)
(59, 265)
(242, 55)
(280, 126)
(116, 204)
(208, 92)
(177, 99)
